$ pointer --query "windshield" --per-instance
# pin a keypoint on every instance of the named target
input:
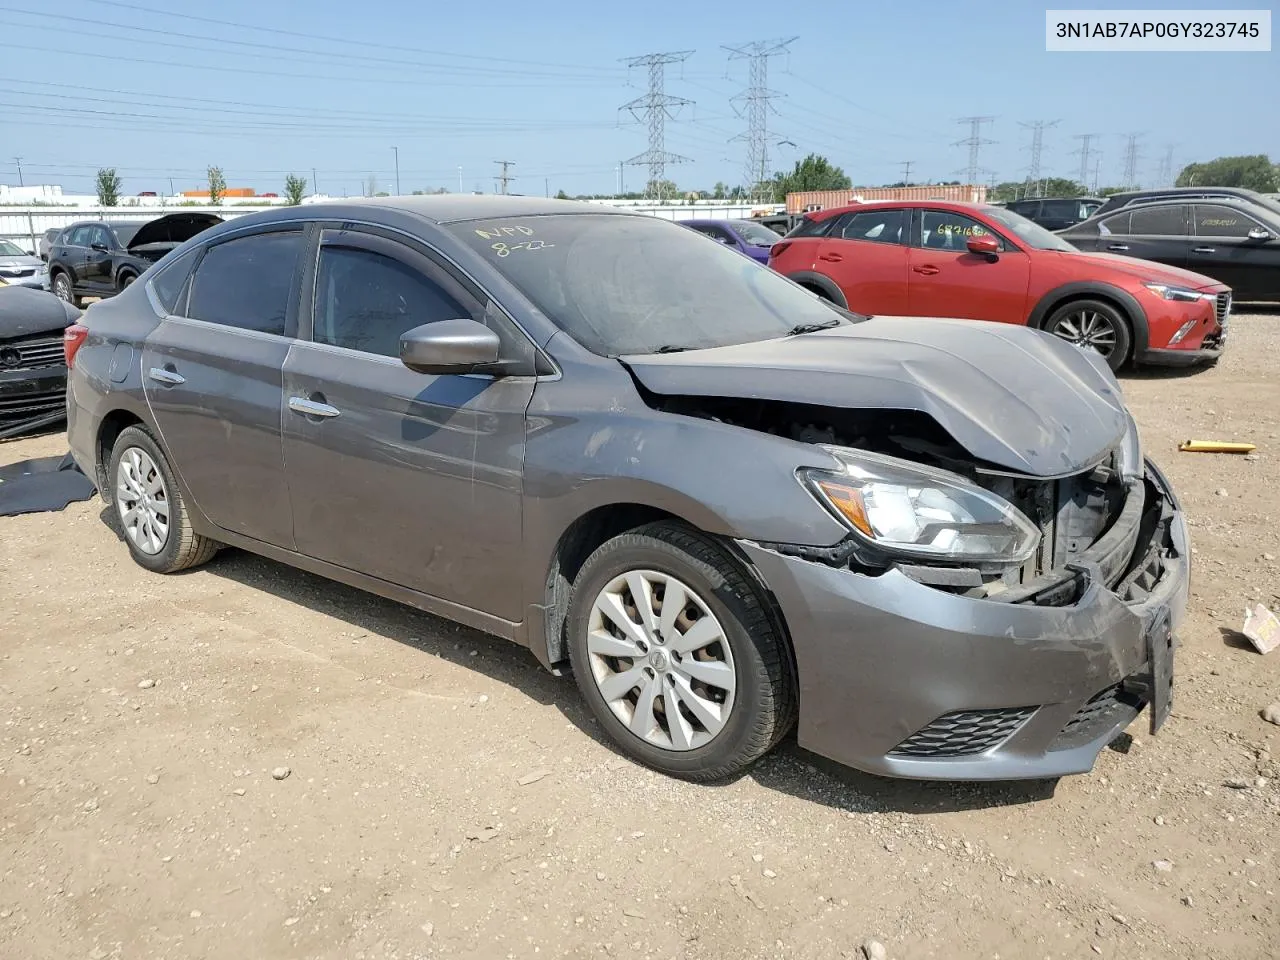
(1032, 234)
(8, 249)
(756, 234)
(632, 284)
(125, 232)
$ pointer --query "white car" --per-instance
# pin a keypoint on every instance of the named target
(20, 269)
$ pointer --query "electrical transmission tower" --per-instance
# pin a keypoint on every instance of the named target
(754, 103)
(1037, 128)
(1131, 161)
(504, 178)
(654, 109)
(1085, 139)
(1166, 167)
(906, 171)
(974, 142)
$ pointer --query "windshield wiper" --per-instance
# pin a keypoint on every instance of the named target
(670, 348)
(800, 328)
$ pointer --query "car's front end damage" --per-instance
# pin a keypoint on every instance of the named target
(33, 372)
(1005, 598)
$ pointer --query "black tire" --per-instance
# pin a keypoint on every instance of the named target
(1119, 324)
(64, 289)
(124, 280)
(764, 704)
(183, 547)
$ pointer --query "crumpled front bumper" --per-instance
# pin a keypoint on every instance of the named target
(900, 679)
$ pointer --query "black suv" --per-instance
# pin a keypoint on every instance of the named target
(1056, 213)
(1131, 197)
(99, 258)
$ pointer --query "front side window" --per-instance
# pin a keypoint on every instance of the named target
(945, 230)
(101, 236)
(1159, 221)
(365, 299)
(878, 226)
(1222, 221)
(245, 283)
(625, 284)
(79, 237)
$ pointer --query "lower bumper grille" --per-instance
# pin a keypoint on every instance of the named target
(1103, 711)
(964, 733)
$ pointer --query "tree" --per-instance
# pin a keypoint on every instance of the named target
(108, 187)
(812, 173)
(1048, 187)
(1252, 172)
(662, 189)
(371, 188)
(295, 188)
(561, 195)
(217, 186)
(720, 190)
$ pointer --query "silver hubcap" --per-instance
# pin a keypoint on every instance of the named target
(1088, 330)
(142, 501)
(661, 660)
(62, 287)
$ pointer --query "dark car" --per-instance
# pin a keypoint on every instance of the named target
(745, 236)
(33, 372)
(1233, 241)
(46, 242)
(98, 258)
(723, 503)
(1187, 194)
(1055, 213)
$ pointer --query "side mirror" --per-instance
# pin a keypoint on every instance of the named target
(984, 244)
(1257, 233)
(449, 346)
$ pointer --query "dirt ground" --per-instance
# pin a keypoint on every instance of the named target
(447, 798)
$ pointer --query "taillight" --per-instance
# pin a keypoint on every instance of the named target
(778, 248)
(71, 342)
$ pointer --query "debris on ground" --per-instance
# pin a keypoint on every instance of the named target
(1215, 446)
(280, 773)
(533, 777)
(874, 950)
(1262, 627)
(1271, 714)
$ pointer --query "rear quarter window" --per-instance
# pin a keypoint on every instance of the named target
(170, 282)
(810, 227)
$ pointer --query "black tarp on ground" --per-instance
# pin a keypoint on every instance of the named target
(43, 484)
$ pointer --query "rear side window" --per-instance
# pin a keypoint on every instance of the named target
(1220, 221)
(245, 283)
(810, 227)
(1118, 225)
(1061, 210)
(169, 283)
(877, 226)
(1159, 221)
(1028, 208)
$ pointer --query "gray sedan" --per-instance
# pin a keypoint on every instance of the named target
(20, 269)
(934, 547)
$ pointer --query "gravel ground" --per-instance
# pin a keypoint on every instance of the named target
(249, 761)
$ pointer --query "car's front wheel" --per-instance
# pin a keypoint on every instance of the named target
(64, 290)
(149, 507)
(677, 654)
(1093, 325)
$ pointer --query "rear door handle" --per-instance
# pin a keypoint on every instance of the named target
(312, 408)
(927, 269)
(831, 257)
(1118, 246)
(1204, 249)
(168, 377)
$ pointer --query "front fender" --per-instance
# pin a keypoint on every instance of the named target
(1095, 288)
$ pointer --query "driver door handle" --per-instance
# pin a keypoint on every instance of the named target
(312, 408)
(927, 269)
(169, 377)
(1118, 246)
(1204, 249)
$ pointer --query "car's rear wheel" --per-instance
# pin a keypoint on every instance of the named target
(125, 279)
(677, 654)
(1093, 325)
(149, 507)
(64, 290)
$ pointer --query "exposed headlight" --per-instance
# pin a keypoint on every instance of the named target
(1131, 462)
(1167, 292)
(916, 511)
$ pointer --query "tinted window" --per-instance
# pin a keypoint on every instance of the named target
(1028, 208)
(1159, 221)
(1217, 221)
(1061, 210)
(944, 230)
(809, 227)
(878, 226)
(621, 284)
(168, 284)
(366, 300)
(126, 232)
(1118, 225)
(79, 237)
(101, 235)
(245, 283)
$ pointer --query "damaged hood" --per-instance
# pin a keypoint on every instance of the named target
(1016, 398)
(172, 229)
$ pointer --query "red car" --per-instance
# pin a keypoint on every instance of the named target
(939, 259)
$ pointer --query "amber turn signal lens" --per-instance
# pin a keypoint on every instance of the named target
(848, 500)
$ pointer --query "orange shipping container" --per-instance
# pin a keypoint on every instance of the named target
(822, 199)
(229, 192)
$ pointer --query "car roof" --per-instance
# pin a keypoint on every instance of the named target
(956, 205)
(455, 207)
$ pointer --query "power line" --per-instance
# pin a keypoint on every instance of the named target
(1131, 155)
(1166, 167)
(504, 178)
(656, 108)
(1085, 139)
(1037, 128)
(975, 141)
(18, 162)
(756, 99)
(906, 172)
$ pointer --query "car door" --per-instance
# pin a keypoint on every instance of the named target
(1223, 249)
(946, 280)
(95, 273)
(1158, 232)
(70, 251)
(865, 253)
(213, 371)
(412, 478)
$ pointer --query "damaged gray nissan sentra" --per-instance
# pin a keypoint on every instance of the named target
(728, 507)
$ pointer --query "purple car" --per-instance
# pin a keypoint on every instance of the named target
(745, 236)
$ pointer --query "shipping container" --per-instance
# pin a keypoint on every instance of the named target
(811, 200)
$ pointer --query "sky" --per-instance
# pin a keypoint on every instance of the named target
(336, 92)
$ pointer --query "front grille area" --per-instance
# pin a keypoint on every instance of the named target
(1103, 711)
(963, 733)
(24, 353)
(18, 272)
(26, 406)
(1222, 306)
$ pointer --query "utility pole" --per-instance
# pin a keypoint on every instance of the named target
(546, 186)
(459, 178)
(1131, 161)
(396, 151)
(754, 102)
(906, 172)
(1166, 167)
(314, 189)
(18, 161)
(172, 192)
(1097, 169)
(975, 141)
(1037, 128)
(504, 178)
(655, 108)
(1085, 139)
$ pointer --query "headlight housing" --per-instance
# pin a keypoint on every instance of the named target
(909, 510)
(1167, 292)
(1131, 463)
